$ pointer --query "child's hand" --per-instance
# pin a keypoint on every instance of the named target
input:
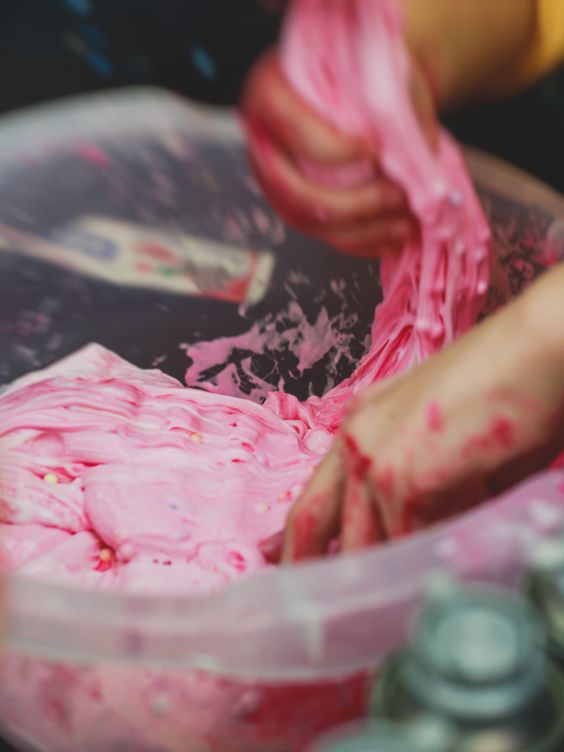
(467, 424)
(285, 136)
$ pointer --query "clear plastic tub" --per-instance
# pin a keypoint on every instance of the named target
(268, 664)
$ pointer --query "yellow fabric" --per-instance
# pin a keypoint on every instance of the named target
(547, 49)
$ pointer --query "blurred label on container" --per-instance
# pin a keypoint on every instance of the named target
(138, 256)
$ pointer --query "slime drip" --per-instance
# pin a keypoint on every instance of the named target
(122, 478)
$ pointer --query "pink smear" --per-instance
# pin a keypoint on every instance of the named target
(289, 331)
(360, 463)
(435, 420)
(93, 154)
(503, 431)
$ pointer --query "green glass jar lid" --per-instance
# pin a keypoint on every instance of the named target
(476, 653)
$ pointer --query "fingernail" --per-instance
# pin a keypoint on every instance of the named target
(271, 548)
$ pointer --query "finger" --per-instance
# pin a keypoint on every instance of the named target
(269, 99)
(314, 520)
(360, 524)
(376, 243)
(350, 175)
(328, 205)
(271, 548)
(414, 512)
(371, 239)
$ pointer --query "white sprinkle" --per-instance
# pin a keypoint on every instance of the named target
(160, 705)
(106, 555)
(126, 552)
(482, 287)
(455, 198)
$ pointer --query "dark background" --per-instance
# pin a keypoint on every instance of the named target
(202, 49)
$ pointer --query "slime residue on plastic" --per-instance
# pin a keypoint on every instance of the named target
(287, 332)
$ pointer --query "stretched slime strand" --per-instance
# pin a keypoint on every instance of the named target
(348, 60)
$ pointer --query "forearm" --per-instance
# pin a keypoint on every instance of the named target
(469, 46)
(524, 342)
(540, 311)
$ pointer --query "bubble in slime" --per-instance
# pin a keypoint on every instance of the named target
(117, 478)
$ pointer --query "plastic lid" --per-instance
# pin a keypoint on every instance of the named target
(476, 654)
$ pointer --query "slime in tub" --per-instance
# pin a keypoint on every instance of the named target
(116, 477)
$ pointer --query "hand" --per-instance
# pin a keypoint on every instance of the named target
(469, 423)
(285, 137)
(460, 52)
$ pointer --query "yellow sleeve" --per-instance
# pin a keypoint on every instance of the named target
(546, 51)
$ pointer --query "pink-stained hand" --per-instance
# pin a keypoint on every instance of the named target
(310, 171)
(464, 426)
